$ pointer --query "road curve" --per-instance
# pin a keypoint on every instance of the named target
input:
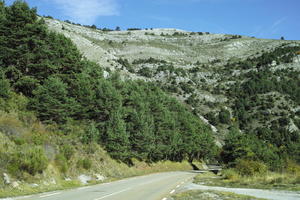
(150, 187)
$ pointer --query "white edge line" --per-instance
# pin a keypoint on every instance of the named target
(112, 194)
(82, 188)
(49, 195)
(164, 198)
(172, 191)
(16, 198)
(177, 186)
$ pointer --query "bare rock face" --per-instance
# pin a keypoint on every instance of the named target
(99, 177)
(6, 178)
(84, 179)
(204, 166)
(68, 179)
(34, 185)
(15, 184)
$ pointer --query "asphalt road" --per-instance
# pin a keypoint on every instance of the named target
(150, 187)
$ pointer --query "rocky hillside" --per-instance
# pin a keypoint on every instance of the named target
(226, 79)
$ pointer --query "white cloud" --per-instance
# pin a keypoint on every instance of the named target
(87, 11)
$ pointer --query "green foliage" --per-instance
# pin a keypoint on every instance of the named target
(67, 151)
(186, 87)
(28, 159)
(250, 167)
(212, 118)
(230, 174)
(51, 101)
(29, 53)
(85, 163)
(4, 87)
(145, 71)
(61, 162)
(241, 146)
(117, 138)
(149, 61)
(125, 63)
(224, 116)
(91, 134)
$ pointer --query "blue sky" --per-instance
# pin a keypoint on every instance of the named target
(259, 18)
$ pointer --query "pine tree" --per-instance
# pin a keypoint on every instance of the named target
(4, 87)
(51, 101)
(117, 142)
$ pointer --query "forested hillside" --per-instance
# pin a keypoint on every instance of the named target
(44, 75)
(246, 89)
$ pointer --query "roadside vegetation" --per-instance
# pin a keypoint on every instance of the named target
(211, 195)
(250, 174)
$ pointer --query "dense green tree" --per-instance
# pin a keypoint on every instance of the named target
(235, 147)
(51, 101)
(4, 87)
(117, 139)
(28, 49)
(91, 134)
(224, 116)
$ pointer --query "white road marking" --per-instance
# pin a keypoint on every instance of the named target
(164, 198)
(112, 194)
(23, 197)
(177, 186)
(49, 195)
(172, 191)
(83, 188)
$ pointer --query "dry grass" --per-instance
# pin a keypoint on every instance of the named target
(289, 180)
(210, 195)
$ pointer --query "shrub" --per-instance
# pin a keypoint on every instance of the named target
(224, 116)
(293, 168)
(61, 163)
(145, 71)
(91, 134)
(67, 151)
(250, 167)
(4, 87)
(85, 163)
(11, 126)
(230, 174)
(28, 159)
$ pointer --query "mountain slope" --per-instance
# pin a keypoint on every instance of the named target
(199, 68)
(230, 81)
